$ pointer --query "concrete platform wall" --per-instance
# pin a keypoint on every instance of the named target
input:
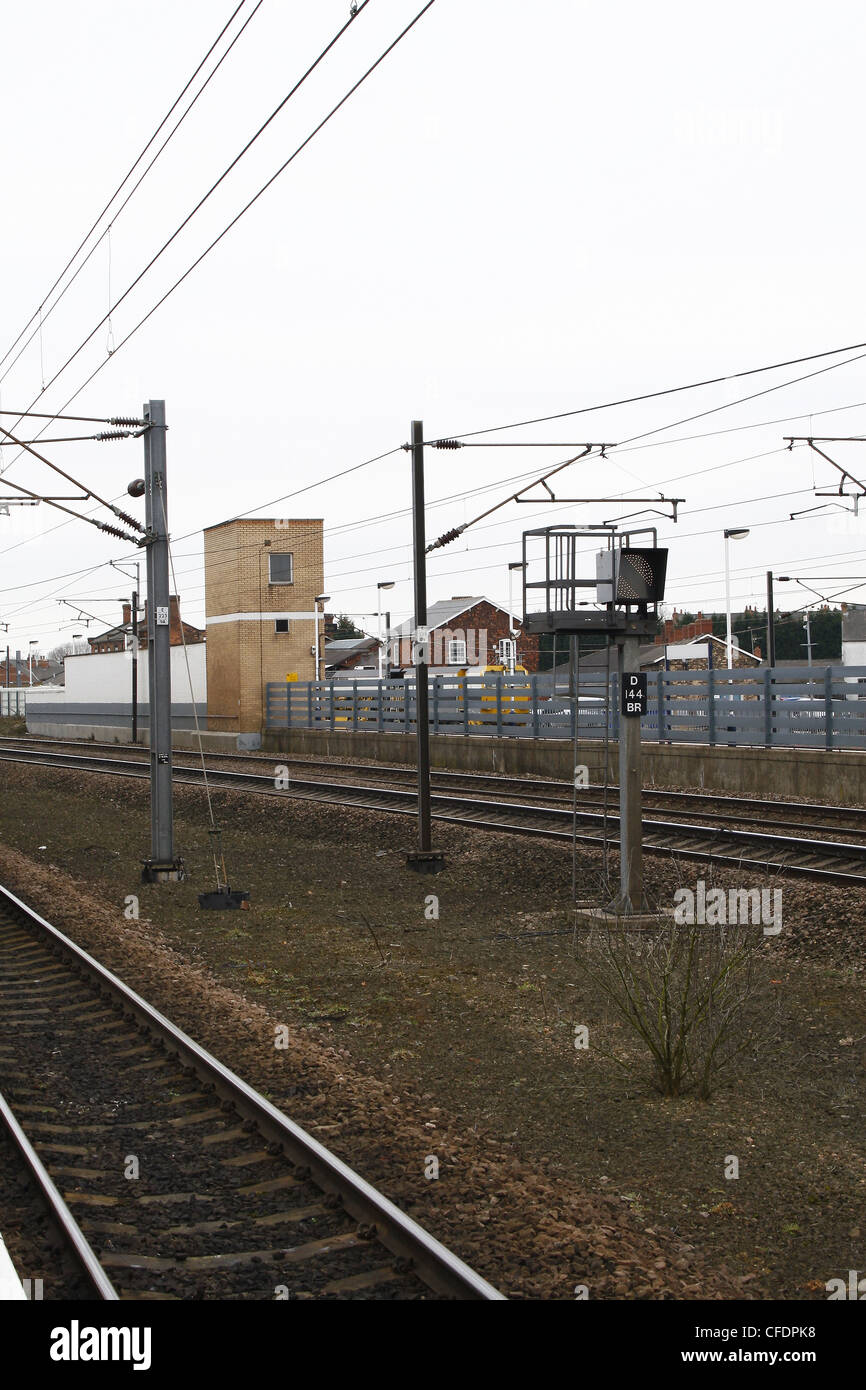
(114, 733)
(838, 776)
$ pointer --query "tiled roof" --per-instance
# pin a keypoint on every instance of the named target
(444, 611)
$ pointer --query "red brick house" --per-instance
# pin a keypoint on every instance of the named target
(465, 631)
(114, 640)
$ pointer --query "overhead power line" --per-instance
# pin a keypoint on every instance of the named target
(245, 209)
(743, 400)
(201, 202)
(355, 12)
(127, 421)
(38, 316)
(655, 395)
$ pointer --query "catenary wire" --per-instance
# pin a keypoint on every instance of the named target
(654, 395)
(43, 317)
(246, 208)
(130, 172)
(201, 202)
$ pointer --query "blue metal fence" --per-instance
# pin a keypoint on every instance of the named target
(802, 706)
(13, 700)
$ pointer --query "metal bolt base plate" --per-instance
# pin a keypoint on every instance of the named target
(163, 873)
(426, 861)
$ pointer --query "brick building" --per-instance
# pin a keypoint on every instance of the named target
(464, 631)
(704, 652)
(675, 630)
(261, 582)
(114, 640)
(16, 672)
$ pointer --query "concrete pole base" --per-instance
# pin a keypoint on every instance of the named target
(588, 915)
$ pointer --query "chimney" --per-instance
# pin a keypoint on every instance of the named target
(127, 614)
(174, 621)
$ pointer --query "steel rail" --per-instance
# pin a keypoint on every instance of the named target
(386, 771)
(437, 1266)
(62, 1216)
(724, 845)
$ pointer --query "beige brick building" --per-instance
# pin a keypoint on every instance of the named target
(261, 581)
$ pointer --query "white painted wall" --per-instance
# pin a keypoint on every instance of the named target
(853, 653)
(688, 651)
(105, 678)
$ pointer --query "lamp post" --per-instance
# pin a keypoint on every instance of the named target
(31, 644)
(734, 533)
(320, 598)
(512, 633)
(383, 584)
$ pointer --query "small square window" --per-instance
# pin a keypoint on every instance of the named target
(457, 652)
(280, 568)
(281, 625)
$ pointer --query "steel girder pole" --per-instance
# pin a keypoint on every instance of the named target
(163, 865)
(425, 859)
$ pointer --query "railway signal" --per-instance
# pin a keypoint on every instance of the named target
(621, 603)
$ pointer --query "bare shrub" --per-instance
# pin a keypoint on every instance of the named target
(696, 996)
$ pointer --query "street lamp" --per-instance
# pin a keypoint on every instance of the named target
(31, 644)
(734, 533)
(512, 631)
(383, 584)
(320, 598)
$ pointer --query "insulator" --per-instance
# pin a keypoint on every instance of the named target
(130, 520)
(112, 434)
(447, 444)
(447, 538)
(114, 531)
(129, 421)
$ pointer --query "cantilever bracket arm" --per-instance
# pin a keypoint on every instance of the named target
(793, 439)
(514, 497)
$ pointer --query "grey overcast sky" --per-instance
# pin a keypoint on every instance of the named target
(528, 208)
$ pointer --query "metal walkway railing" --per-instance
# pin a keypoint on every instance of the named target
(802, 706)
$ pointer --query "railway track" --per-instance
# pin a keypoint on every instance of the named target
(52, 1250)
(738, 810)
(723, 837)
(168, 1175)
